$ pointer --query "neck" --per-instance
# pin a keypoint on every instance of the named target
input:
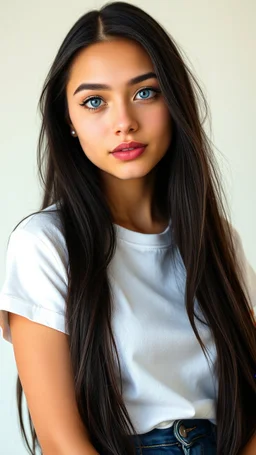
(132, 203)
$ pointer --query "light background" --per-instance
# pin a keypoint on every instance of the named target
(219, 38)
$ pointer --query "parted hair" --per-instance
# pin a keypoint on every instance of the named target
(188, 190)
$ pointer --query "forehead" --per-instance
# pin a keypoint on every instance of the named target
(113, 61)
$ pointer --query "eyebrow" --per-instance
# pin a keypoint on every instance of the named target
(133, 81)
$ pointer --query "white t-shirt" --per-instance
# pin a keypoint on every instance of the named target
(165, 373)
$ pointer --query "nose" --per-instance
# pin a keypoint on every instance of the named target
(125, 121)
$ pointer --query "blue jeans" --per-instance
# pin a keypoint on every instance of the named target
(189, 437)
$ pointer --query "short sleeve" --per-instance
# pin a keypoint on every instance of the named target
(247, 271)
(35, 284)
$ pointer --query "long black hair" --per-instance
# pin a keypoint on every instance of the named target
(188, 190)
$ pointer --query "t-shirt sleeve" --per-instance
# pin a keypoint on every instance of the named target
(35, 284)
(247, 271)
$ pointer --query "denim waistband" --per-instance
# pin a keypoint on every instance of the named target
(185, 432)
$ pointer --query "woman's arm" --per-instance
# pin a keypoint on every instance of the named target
(250, 448)
(44, 367)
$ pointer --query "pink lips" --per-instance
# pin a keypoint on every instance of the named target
(126, 145)
(129, 154)
(125, 155)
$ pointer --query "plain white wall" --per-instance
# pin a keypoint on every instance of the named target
(219, 39)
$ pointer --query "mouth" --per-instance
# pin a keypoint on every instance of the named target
(130, 153)
(126, 146)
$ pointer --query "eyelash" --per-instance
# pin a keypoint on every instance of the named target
(157, 91)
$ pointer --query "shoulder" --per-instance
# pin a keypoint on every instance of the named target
(36, 275)
(44, 227)
(43, 224)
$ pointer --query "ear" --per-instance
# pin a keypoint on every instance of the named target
(68, 120)
(72, 131)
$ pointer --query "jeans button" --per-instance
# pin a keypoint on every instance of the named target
(183, 431)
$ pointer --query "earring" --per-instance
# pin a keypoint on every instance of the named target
(73, 132)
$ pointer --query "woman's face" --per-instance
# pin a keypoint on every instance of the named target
(121, 113)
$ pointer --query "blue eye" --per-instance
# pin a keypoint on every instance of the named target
(146, 90)
(96, 105)
(92, 100)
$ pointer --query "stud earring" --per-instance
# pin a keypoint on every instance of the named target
(73, 132)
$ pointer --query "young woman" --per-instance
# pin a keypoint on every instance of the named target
(128, 297)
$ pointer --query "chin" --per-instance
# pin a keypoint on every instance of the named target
(133, 175)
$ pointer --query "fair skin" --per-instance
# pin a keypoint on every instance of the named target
(44, 367)
(250, 448)
(42, 353)
(124, 113)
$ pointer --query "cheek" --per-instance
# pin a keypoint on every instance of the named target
(94, 126)
(87, 124)
(91, 127)
(157, 121)
(91, 134)
(92, 141)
